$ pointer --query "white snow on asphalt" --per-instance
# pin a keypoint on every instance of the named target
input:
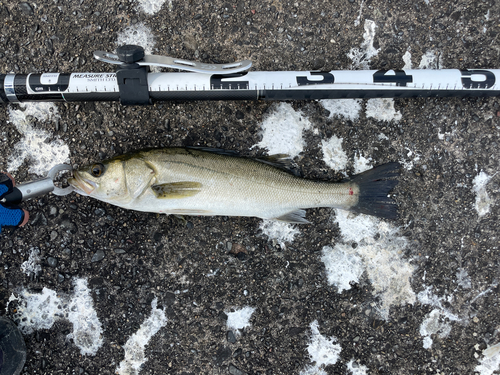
(343, 266)
(361, 56)
(38, 310)
(151, 7)
(282, 130)
(382, 109)
(87, 329)
(334, 155)
(463, 279)
(279, 231)
(37, 146)
(430, 60)
(356, 369)
(32, 265)
(490, 361)
(434, 324)
(361, 163)
(240, 318)
(483, 200)
(323, 351)
(41, 310)
(379, 251)
(135, 346)
(138, 34)
(346, 108)
(407, 60)
(438, 321)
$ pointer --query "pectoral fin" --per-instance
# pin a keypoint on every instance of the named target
(176, 190)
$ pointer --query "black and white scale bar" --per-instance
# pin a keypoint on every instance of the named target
(278, 85)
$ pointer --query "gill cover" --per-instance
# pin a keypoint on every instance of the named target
(118, 180)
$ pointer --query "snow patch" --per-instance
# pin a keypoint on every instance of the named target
(87, 329)
(361, 163)
(490, 361)
(38, 311)
(333, 154)
(41, 310)
(408, 165)
(136, 344)
(357, 369)
(322, 351)
(282, 130)
(437, 321)
(378, 252)
(430, 60)
(36, 146)
(433, 324)
(357, 20)
(239, 319)
(407, 60)
(32, 266)
(382, 109)
(151, 7)
(342, 265)
(483, 201)
(463, 279)
(382, 137)
(279, 231)
(138, 34)
(347, 108)
(361, 56)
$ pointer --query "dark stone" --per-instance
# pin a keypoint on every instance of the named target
(231, 337)
(318, 63)
(223, 353)
(68, 226)
(52, 262)
(12, 348)
(235, 371)
(100, 212)
(26, 9)
(39, 219)
(98, 256)
(295, 331)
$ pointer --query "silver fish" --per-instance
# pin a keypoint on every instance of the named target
(185, 181)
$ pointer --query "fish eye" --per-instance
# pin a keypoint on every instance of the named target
(97, 170)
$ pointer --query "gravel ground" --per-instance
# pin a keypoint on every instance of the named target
(187, 278)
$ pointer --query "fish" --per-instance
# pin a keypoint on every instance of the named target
(212, 182)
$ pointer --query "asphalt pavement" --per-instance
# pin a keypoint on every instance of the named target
(97, 289)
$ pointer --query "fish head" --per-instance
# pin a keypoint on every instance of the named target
(116, 181)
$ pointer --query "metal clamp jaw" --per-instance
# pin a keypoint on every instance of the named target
(131, 54)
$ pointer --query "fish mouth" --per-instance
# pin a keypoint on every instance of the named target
(82, 185)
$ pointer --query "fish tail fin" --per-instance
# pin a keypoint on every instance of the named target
(374, 187)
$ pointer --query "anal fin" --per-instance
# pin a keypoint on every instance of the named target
(295, 217)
